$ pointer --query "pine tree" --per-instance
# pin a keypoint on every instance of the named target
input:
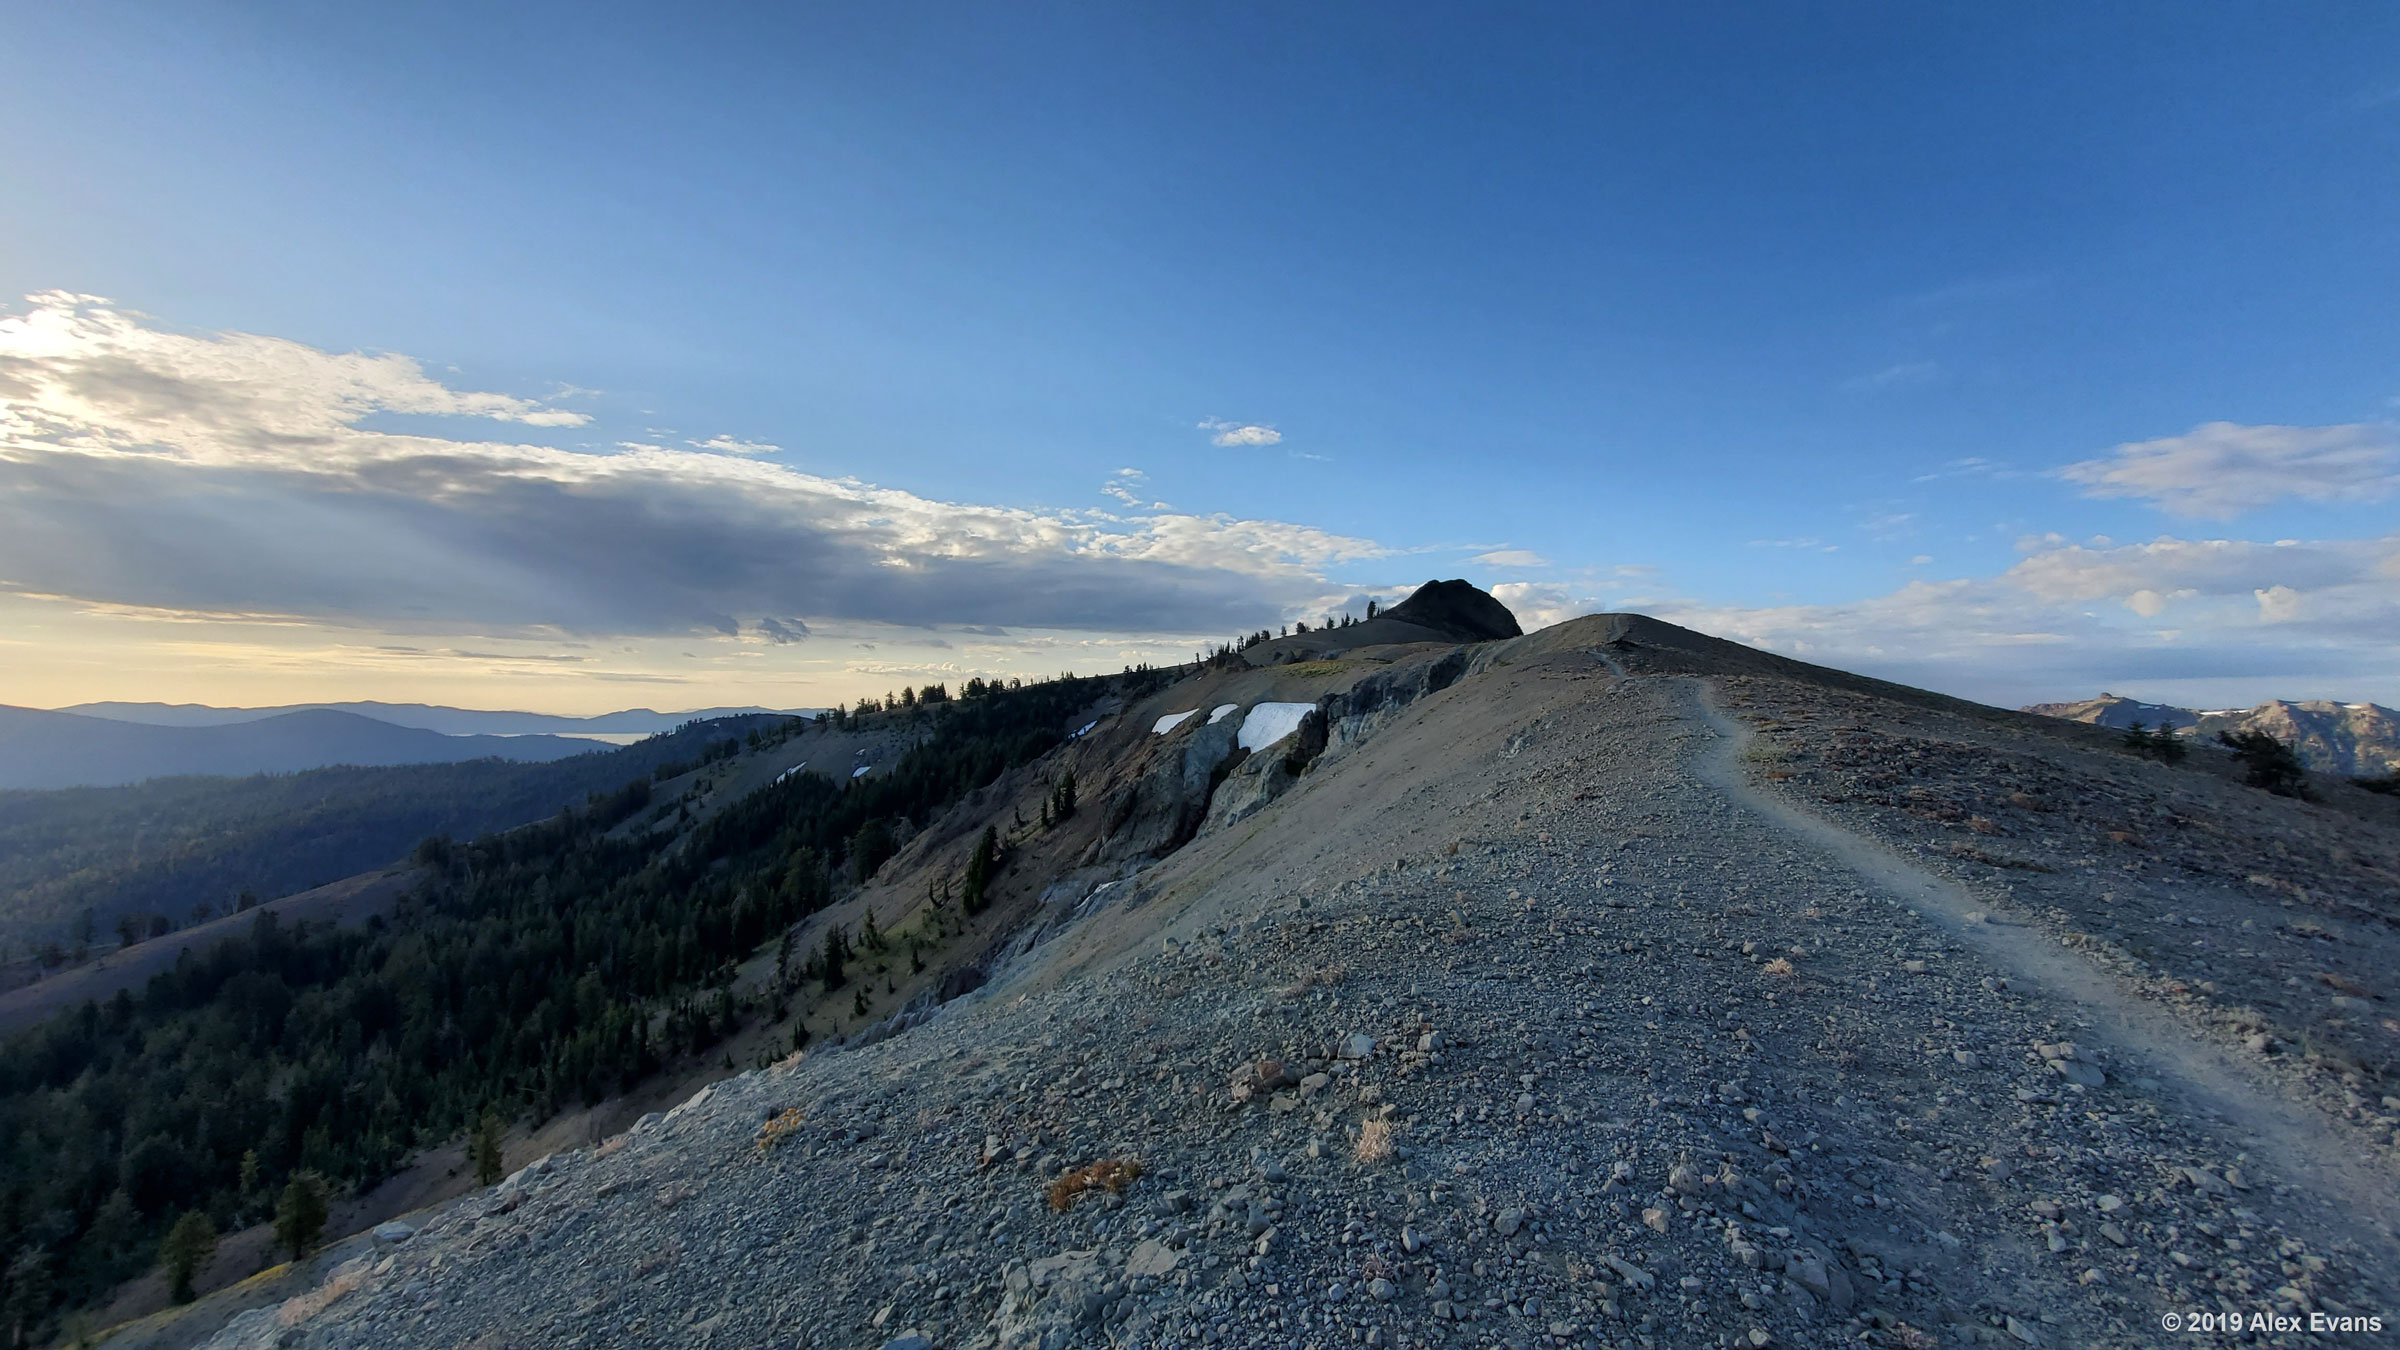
(2268, 763)
(870, 937)
(2166, 745)
(835, 978)
(858, 1001)
(300, 1213)
(188, 1246)
(484, 1150)
(980, 867)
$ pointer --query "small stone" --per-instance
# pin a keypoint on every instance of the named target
(1759, 1339)
(1655, 1220)
(1152, 1258)
(2077, 1072)
(1432, 1041)
(2022, 1332)
(1508, 1221)
(908, 1340)
(2115, 1235)
(1358, 1045)
(1411, 1241)
(2109, 1204)
(393, 1231)
(1382, 1289)
(1336, 1292)
(1967, 1059)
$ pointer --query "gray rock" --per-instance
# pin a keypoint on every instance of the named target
(1508, 1221)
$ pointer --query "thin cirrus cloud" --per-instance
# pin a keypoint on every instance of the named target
(1240, 433)
(2219, 470)
(232, 473)
(728, 445)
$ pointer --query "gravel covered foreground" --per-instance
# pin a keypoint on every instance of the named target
(1523, 1024)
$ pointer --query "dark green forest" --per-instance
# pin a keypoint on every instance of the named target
(171, 845)
(537, 968)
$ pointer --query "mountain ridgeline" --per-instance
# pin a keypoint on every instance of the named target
(2355, 740)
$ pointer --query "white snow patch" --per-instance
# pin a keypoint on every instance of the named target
(792, 770)
(1172, 720)
(1084, 729)
(1271, 722)
(862, 771)
(1222, 711)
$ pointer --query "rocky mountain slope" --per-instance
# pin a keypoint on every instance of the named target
(1606, 986)
(2355, 740)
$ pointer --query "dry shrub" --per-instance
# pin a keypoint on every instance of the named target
(1781, 965)
(779, 1127)
(1374, 1142)
(1108, 1174)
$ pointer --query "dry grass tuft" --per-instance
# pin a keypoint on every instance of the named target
(1781, 965)
(1374, 1142)
(781, 1126)
(1108, 1174)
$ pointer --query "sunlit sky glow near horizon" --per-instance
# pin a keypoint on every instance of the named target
(577, 357)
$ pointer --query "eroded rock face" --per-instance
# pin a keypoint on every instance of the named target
(1261, 777)
(1161, 810)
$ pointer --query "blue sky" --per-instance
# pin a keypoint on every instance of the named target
(1781, 323)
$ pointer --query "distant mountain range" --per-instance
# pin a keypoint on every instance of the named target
(428, 717)
(40, 749)
(2356, 740)
(108, 744)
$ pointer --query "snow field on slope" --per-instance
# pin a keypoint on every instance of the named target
(1271, 722)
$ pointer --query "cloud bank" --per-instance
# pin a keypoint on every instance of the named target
(232, 474)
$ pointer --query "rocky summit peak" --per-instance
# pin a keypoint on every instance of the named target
(1458, 609)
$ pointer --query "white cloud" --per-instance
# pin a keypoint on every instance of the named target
(727, 445)
(1541, 604)
(230, 473)
(2075, 618)
(1511, 557)
(2220, 469)
(2278, 604)
(1240, 433)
